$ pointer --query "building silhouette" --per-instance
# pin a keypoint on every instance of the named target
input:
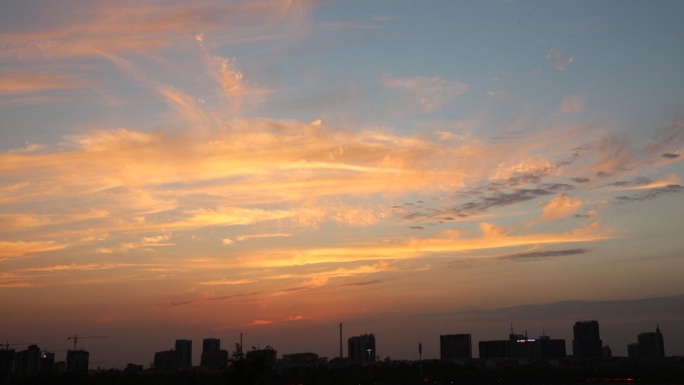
(47, 363)
(212, 355)
(361, 349)
(6, 361)
(301, 359)
(27, 362)
(184, 353)
(651, 344)
(587, 340)
(77, 361)
(166, 361)
(520, 346)
(455, 347)
(549, 348)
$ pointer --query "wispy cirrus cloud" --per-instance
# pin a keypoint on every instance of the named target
(428, 93)
(544, 255)
(102, 28)
(650, 194)
(14, 249)
(23, 83)
(491, 237)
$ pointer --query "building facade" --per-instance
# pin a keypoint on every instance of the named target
(587, 340)
(77, 361)
(27, 362)
(166, 361)
(361, 349)
(519, 346)
(651, 344)
(212, 355)
(184, 353)
(455, 347)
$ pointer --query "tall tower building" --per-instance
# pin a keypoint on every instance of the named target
(211, 345)
(587, 341)
(184, 353)
(651, 344)
(212, 355)
(27, 362)
(455, 346)
(77, 361)
(362, 349)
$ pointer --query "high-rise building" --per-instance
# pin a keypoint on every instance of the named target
(455, 347)
(587, 340)
(47, 363)
(212, 355)
(27, 362)
(361, 349)
(184, 353)
(6, 362)
(77, 361)
(651, 344)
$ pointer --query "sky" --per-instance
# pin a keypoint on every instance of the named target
(196, 169)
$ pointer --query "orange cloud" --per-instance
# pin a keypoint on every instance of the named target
(28, 83)
(13, 249)
(492, 237)
(260, 322)
(560, 207)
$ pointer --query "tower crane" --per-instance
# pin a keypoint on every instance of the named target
(75, 337)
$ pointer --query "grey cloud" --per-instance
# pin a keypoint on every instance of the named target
(573, 310)
(496, 198)
(670, 156)
(636, 182)
(580, 180)
(540, 255)
(517, 196)
(365, 283)
(650, 194)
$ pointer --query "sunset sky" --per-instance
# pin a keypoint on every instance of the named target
(194, 169)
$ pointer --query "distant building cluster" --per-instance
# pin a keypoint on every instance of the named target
(361, 350)
(32, 361)
(180, 358)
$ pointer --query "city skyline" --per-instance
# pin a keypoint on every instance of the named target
(449, 346)
(174, 169)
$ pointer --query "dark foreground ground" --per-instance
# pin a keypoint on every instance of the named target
(668, 371)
